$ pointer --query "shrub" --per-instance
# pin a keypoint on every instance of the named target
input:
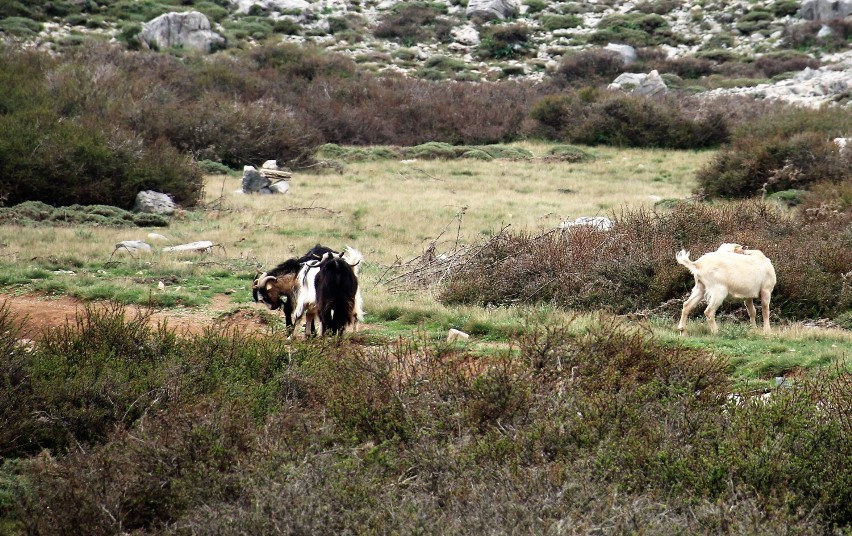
(636, 29)
(590, 67)
(618, 119)
(752, 165)
(560, 22)
(754, 21)
(415, 22)
(244, 435)
(569, 153)
(805, 34)
(20, 27)
(504, 41)
(783, 62)
(631, 268)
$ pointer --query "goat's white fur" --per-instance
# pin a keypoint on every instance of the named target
(731, 270)
(306, 290)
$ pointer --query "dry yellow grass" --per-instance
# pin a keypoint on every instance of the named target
(394, 209)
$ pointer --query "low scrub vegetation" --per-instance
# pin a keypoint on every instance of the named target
(596, 117)
(791, 149)
(33, 213)
(629, 268)
(602, 427)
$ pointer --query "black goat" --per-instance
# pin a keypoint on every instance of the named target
(277, 288)
(336, 290)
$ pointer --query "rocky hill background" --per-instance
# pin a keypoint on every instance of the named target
(103, 99)
(758, 47)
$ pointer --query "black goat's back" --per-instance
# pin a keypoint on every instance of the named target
(336, 286)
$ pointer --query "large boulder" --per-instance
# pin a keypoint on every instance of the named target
(650, 84)
(154, 203)
(491, 9)
(627, 52)
(825, 9)
(253, 181)
(189, 30)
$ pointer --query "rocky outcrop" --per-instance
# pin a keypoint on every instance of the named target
(825, 9)
(154, 203)
(491, 9)
(650, 84)
(189, 30)
(810, 88)
(269, 180)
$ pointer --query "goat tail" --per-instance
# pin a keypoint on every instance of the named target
(683, 258)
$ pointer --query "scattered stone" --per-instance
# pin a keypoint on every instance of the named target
(280, 187)
(187, 30)
(456, 335)
(650, 84)
(466, 35)
(844, 144)
(491, 9)
(253, 181)
(134, 246)
(152, 202)
(203, 246)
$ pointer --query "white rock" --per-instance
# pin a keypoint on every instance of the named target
(627, 52)
(280, 187)
(466, 35)
(456, 335)
(134, 246)
(203, 246)
(270, 164)
(188, 30)
(156, 236)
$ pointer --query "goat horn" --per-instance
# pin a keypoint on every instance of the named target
(258, 277)
(262, 282)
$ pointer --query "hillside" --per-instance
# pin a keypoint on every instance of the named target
(694, 45)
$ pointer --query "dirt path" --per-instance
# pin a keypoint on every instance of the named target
(38, 313)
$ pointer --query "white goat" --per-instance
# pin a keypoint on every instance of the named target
(731, 270)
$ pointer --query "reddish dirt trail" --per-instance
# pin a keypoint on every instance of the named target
(38, 313)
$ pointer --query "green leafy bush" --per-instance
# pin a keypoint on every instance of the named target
(588, 68)
(415, 22)
(559, 22)
(144, 430)
(504, 41)
(751, 165)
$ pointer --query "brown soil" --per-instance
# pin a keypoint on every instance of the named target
(38, 313)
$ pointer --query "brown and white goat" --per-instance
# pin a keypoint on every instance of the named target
(729, 271)
(277, 288)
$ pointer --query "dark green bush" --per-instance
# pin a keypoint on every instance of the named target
(414, 22)
(593, 118)
(601, 426)
(754, 21)
(751, 165)
(589, 67)
(559, 22)
(504, 41)
(636, 29)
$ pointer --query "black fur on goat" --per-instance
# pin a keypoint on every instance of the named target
(336, 285)
(277, 287)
